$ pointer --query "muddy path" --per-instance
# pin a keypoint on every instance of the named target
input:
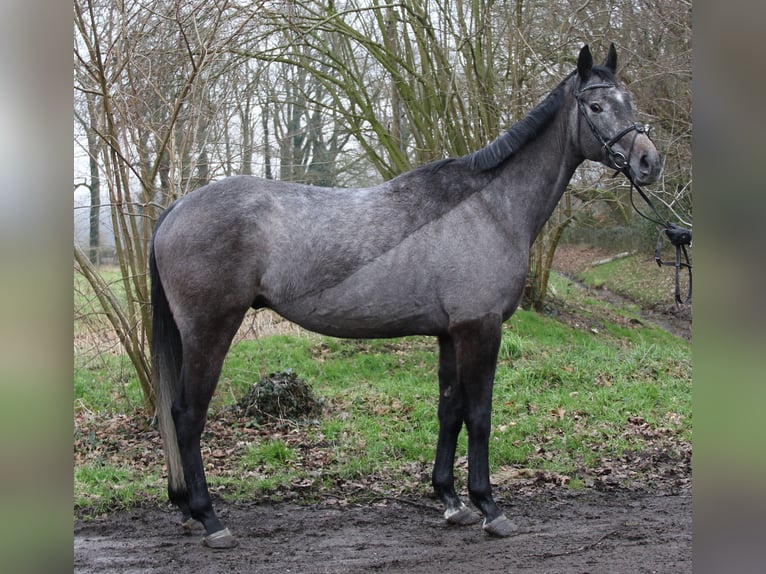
(562, 532)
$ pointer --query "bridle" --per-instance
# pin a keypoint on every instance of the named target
(618, 159)
(679, 236)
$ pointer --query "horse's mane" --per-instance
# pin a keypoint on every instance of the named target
(520, 133)
(495, 153)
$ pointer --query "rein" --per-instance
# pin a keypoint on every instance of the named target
(678, 236)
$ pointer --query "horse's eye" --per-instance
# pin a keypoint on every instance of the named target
(595, 108)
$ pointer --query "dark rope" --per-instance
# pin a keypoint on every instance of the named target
(678, 236)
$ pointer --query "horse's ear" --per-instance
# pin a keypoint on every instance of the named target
(584, 63)
(610, 62)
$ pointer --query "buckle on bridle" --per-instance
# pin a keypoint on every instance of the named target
(618, 159)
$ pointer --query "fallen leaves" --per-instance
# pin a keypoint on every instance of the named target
(661, 460)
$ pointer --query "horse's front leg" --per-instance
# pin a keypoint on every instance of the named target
(476, 346)
(450, 424)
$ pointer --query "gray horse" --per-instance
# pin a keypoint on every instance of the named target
(441, 250)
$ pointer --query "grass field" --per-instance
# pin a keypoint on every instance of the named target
(585, 396)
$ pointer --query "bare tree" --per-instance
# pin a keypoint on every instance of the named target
(87, 119)
(148, 71)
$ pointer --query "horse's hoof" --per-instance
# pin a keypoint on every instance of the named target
(220, 540)
(463, 516)
(500, 527)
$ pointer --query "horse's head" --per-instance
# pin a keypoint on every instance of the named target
(607, 129)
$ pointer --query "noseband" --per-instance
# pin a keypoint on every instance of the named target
(678, 236)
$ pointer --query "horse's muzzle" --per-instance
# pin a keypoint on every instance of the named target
(645, 161)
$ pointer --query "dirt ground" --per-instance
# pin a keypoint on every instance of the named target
(562, 532)
(601, 529)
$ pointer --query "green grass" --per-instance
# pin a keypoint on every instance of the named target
(272, 454)
(564, 398)
(383, 393)
(106, 383)
(576, 400)
(104, 378)
(102, 487)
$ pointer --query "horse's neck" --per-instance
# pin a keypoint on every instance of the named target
(535, 178)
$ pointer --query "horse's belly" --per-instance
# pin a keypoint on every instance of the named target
(354, 315)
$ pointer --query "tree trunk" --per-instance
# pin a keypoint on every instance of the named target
(94, 239)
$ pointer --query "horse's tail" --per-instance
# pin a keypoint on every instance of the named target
(167, 354)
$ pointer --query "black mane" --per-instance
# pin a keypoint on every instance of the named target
(520, 133)
(495, 153)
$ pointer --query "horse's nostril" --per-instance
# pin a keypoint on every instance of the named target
(645, 163)
(649, 162)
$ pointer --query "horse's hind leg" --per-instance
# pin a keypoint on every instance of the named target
(450, 424)
(203, 356)
(476, 345)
